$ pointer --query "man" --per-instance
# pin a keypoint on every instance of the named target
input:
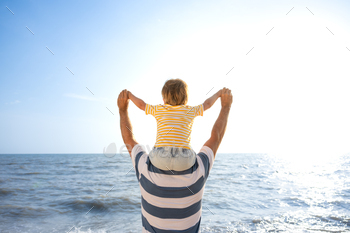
(171, 201)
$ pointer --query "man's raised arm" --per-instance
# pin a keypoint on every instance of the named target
(125, 124)
(219, 127)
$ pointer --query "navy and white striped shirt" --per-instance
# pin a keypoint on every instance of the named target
(171, 201)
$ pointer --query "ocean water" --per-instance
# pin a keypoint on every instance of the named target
(244, 193)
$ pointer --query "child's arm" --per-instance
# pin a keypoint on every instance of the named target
(210, 101)
(138, 102)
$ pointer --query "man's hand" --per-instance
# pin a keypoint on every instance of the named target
(226, 97)
(123, 100)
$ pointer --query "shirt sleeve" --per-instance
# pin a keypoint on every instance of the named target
(207, 156)
(150, 109)
(139, 158)
(198, 110)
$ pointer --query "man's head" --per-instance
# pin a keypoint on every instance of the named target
(175, 92)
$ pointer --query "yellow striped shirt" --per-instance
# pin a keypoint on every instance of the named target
(174, 123)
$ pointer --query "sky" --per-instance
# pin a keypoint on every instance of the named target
(63, 65)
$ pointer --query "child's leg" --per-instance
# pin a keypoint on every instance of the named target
(172, 158)
(160, 157)
(184, 159)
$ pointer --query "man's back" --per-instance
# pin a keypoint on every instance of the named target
(171, 200)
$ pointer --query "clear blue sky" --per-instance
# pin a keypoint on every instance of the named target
(290, 91)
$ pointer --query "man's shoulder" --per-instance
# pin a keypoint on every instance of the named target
(137, 151)
(207, 151)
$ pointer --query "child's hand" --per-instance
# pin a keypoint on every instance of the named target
(220, 92)
(137, 101)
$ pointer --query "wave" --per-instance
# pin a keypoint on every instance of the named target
(32, 173)
(332, 218)
(23, 211)
(99, 205)
(10, 163)
(289, 222)
(5, 192)
(75, 229)
(302, 221)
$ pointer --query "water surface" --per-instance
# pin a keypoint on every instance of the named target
(244, 193)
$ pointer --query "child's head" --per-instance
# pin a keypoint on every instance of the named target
(175, 92)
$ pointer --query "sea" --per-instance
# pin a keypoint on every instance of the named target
(244, 193)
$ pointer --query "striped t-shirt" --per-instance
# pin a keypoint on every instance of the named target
(174, 123)
(171, 201)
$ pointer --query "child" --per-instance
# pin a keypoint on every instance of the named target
(172, 150)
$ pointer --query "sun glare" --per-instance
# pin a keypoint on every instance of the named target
(289, 86)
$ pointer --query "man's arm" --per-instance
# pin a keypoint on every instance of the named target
(125, 124)
(219, 127)
(137, 101)
(210, 101)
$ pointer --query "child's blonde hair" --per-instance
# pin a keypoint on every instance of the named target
(175, 92)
